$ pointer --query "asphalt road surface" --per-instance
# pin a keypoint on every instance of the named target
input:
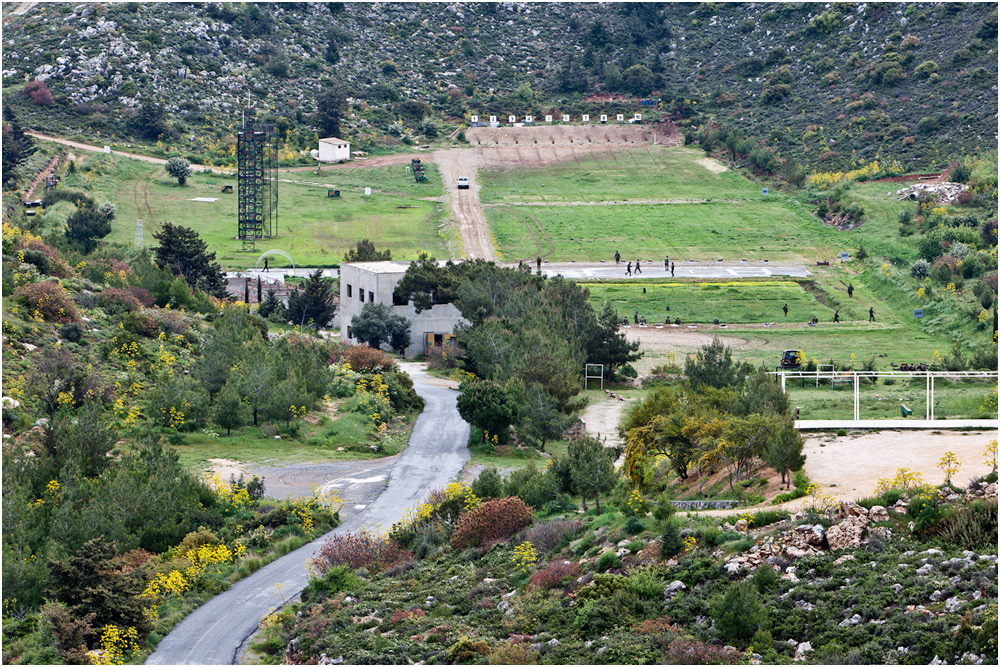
(216, 632)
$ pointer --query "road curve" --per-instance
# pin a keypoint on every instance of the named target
(215, 633)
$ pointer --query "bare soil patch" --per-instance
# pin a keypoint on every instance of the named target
(659, 344)
(226, 468)
(713, 166)
(849, 467)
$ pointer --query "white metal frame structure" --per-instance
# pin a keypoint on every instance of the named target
(929, 377)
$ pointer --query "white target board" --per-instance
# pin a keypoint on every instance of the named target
(529, 119)
(565, 117)
(586, 118)
(638, 117)
(548, 118)
(493, 119)
(604, 118)
(475, 119)
(511, 119)
(621, 118)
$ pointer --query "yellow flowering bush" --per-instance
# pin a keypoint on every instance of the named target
(990, 453)
(905, 479)
(949, 464)
(524, 556)
(118, 645)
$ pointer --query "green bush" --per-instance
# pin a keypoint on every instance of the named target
(671, 543)
(972, 526)
(607, 561)
(646, 583)
(738, 613)
(633, 526)
(766, 579)
(488, 485)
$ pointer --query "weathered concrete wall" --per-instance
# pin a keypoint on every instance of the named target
(367, 282)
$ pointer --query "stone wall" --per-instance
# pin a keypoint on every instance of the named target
(704, 504)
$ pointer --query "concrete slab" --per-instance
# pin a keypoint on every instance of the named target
(612, 271)
(815, 424)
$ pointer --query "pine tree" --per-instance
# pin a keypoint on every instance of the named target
(183, 252)
(314, 305)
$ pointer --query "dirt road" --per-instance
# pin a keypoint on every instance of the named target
(134, 156)
(23, 8)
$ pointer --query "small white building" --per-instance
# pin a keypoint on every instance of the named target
(368, 282)
(333, 149)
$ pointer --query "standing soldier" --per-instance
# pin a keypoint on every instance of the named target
(618, 257)
(850, 290)
(538, 263)
(871, 314)
(666, 263)
(785, 308)
(671, 269)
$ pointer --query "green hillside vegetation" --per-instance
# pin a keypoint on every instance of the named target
(637, 583)
(826, 87)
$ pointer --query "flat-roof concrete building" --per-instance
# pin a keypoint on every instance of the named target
(332, 149)
(374, 282)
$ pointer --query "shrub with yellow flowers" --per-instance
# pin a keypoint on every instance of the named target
(118, 645)
(524, 556)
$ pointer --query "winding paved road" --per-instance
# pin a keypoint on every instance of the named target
(216, 632)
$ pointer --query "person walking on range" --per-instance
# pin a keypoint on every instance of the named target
(671, 269)
(538, 263)
(871, 314)
(618, 257)
(836, 316)
(785, 308)
(637, 269)
(265, 265)
(850, 290)
(628, 269)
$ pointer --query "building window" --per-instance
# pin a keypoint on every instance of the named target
(371, 297)
(350, 291)
(361, 295)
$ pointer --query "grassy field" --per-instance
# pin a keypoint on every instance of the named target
(730, 301)
(637, 173)
(952, 400)
(709, 231)
(718, 215)
(312, 228)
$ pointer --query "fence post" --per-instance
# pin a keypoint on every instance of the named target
(857, 398)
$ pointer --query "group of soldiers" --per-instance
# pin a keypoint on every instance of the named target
(667, 265)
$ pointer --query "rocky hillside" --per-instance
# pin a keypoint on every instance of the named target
(829, 84)
(908, 577)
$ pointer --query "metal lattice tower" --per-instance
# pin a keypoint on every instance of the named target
(257, 177)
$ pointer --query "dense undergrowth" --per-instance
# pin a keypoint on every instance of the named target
(627, 587)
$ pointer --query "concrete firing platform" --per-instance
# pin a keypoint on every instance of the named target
(612, 271)
(817, 424)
